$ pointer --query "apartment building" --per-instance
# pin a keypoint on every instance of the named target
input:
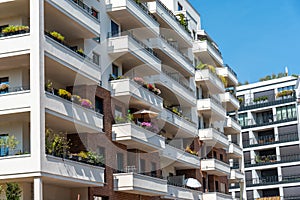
(270, 134)
(102, 100)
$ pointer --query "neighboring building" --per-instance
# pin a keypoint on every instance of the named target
(270, 132)
(139, 106)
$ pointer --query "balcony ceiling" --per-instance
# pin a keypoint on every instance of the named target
(57, 72)
(14, 62)
(14, 8)
(58, 21)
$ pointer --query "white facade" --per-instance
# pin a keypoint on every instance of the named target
(270, 130)
(111, 44)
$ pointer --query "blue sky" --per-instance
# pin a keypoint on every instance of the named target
(256, 37)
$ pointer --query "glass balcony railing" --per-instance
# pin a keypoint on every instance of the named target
(267, 180)
(86, 8)
(74, 49)
(266, 140)
(130, 35)
(271, 159)
(251, 123)
(255, 105)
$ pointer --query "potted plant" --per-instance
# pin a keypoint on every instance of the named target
(86, 103)
(95, 159)
(4, 88)
(57, 36)
(76, 99)
(80, 52)
(49, 86)
(6, 144)
(82, 156)
(139, 80)
(64, 94)
(56, 144)
(13, 191)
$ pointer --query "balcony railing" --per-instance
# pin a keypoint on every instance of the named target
(271, 180)
(85, 8)
(134, 169)
(272, 159)
(14, 33)
(234, 186)
(251, 123)
(266, 140)
(130, 35)
(144, 8)
(253, 105)
(55, 93)
(176, 49)
(235, 166)
(267, 180)
(74, 49)
(173, 16)
(13, 89)
(177, 79)
(231, 70)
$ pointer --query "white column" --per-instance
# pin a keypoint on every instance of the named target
(281, 193)
(37, 115)
(38, 188)
(279, 172)
(276, 133)
(278, 154)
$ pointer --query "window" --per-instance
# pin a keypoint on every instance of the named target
(114, 29)
(118, 111)
(120, 162)
(95, 13)
(115, 70)
(101, 151)
(292, 87)
(217, 186)
(142, 166)
(221, 157)
(99, 105)
(215, 154)
(286, 112)
(96, 58)
(243, 119)
(153, 169)
(179, 8)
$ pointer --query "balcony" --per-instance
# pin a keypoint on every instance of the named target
(251, 123)
(127, 48)
(255, 105)
(235, 151)
(20, 96)
(229, 74)
(16, 44)
(267, 180)
(271, 160)
(268, 140)
(231, 102)
(172, 56)
(209, 81)
(215, 167)
(208, 51)
(184, 128)
(136, 137)
(89, 120)
(66, 56)
(178, 158)
(68, 170)
(168, 21)
(133, 15)
(236, 175)
(231, 126)
(140, 184)
(213, 137)
(131, 93)
(216, 196)
(181, 91)
(175, 192)
(211, 108)
(75, 14)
